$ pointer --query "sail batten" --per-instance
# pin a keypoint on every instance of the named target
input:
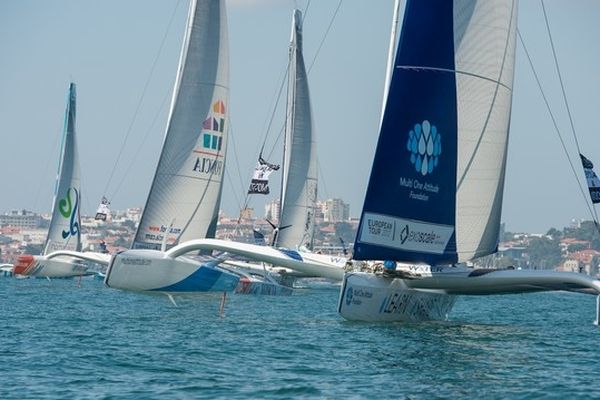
(435, 192)
(186, 189)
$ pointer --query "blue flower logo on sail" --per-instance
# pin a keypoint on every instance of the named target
(425, 146)
(68, 209)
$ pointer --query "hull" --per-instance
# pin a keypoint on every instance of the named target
(370, 297)
(254, 279)
(260, 286)
(42, 267)
(6, 270)
(151, 271)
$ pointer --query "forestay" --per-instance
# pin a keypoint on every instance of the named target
(435, 191)
(186, 190)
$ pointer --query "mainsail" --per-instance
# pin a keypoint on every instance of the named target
(436, 185)
(185, 195)
(299, 187)
(64, 232)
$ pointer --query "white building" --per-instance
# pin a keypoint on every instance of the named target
(272, 211)
(21, 219)
(335, 210)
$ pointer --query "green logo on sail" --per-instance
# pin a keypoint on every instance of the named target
(68, 209)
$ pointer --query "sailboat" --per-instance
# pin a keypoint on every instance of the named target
(64, 232)
(184, 198)
(299, 179)
(299, 183)
(435, 191)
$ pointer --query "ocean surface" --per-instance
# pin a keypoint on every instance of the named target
(60, 341)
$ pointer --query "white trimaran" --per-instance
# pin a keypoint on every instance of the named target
(64, 232)
(298, 197)
(435, 193)
(183, 201)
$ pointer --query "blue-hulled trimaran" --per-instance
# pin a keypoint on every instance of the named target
(64, 231)
(435, 193)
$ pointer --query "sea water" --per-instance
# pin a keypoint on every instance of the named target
(61, 341)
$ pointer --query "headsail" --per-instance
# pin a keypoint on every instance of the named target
(186, 189)
(300, 154)
(64, 232)
(435, 191)
(592, 179)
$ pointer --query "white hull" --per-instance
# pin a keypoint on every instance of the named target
(6, 270)
(43, 267)
(420, 293)
(151, 270)
(375, 298)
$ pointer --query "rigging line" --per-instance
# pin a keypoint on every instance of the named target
(322, 180)
(325, 36)
(239, 173)
(139, 148)
(306, 10)
(562, 86)
(555, 124)
(135, 114)
(235, 154)
(276, 105)
(237, 199)
(43, 178)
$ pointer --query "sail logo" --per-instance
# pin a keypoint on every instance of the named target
(404, 234)
(68, 209)
(425, 147)
(207, 166)
(213, 127)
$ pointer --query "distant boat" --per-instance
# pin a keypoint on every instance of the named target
(6, 270)
(299, 183)
(64, 232)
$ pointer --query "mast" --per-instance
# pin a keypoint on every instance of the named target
(391, 53)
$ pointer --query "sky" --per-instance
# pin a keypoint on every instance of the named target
(108, 48)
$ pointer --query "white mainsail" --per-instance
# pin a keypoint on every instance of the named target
(64, 232)
(184, 198)
(484, 46)
(299, 185)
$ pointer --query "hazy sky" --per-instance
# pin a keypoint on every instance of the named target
(108, 48)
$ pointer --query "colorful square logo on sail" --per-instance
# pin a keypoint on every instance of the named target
(405, 234)
(213, 127)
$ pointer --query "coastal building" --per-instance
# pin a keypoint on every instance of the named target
(272, 211)
(335, 210)
(22, 219)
